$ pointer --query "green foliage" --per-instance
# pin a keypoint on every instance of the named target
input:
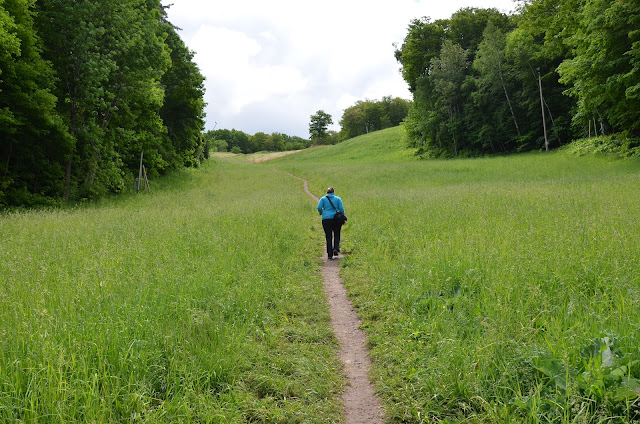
(318, 126)
(586, 52)
(183, 108)
(422, 43)
(604, 74)
(191, 304)
(239, 142)
(614, 144)
(32, 136)
(86, 87)
(372, 115)
(448, 115)
(604, 382)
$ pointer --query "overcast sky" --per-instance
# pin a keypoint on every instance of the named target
(271, 64)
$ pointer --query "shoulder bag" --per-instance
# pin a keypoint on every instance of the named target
(340, 218)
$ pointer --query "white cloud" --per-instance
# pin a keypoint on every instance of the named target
(271, 65)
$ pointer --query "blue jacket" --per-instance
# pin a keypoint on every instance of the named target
(325, 208)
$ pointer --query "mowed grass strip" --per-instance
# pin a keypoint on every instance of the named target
(198, 302)
(500, 289)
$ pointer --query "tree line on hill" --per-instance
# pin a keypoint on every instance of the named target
(237, 141)
(373, 115)
(363, 117)
(555, 71)
(86, 88)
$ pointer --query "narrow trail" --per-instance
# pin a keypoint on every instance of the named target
(361, 404)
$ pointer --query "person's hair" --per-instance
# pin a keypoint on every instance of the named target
(330, 190)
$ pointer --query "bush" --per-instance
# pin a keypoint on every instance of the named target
(611, 144)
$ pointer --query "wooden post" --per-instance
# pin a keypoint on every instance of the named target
(140, 173)
(146, 180)
(544, 122)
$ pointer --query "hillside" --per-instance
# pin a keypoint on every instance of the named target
(498, 289)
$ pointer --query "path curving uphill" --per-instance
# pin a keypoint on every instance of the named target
(361, 404)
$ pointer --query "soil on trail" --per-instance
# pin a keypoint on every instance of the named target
(360, 401)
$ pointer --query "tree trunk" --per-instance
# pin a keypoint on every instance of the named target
(67, 179)
(6, 169)
(544, 120)
(504, 87)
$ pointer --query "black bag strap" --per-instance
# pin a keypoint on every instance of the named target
(327, 197)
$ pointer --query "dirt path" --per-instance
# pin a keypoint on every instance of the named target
(360, 401)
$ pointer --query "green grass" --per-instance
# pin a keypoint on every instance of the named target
(199, 302)
(500, 289)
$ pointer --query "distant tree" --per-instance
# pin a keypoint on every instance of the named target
(396, 109)
(372, 115)
(538, 44)
(259, 142)
(219, 139)
(277, 140)
(353, 123)
(466, 27)
(241, 140)
(375, 118)
(320, 121)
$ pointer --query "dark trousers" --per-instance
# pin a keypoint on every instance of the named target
(332, 233)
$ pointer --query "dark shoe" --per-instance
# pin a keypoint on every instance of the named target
(335, 253)
(330, 257)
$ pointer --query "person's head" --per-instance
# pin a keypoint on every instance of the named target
(330, 190)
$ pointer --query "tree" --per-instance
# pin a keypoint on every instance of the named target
(539, 43)
(33, 138)
(448, 73)
(422, 43)
(435, 58)
(352, 123)
(183, 108)
(396, 109)
(466, 27)
(320, 121)
(261, 141)
(604, 74)
(372, 115)
(109, 57)
(491, 96)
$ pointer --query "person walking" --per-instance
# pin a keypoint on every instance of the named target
(328, 205)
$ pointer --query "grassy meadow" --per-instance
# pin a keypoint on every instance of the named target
(500, 289)
(492, 290)
(197, 302)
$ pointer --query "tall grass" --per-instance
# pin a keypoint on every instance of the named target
(199, 302)
(498, 289)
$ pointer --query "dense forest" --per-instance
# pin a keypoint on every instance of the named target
(555, 71)
(86, 88)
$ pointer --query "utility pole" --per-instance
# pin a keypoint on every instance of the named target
(140, 173)
(544, 122)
